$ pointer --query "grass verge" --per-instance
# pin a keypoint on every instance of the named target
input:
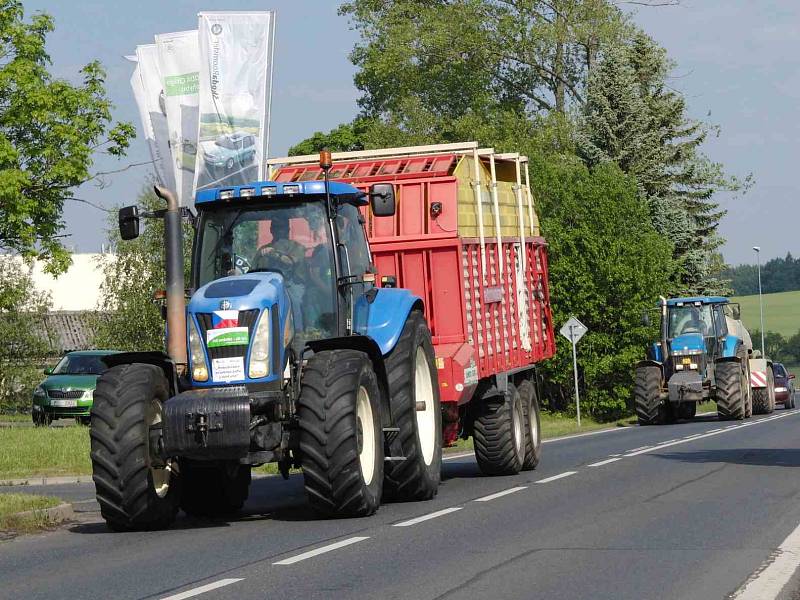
(15, 418)
(12, 504)
(44, 451)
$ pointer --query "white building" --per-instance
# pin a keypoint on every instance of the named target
(76, 290)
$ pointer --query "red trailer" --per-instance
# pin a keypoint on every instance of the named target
(465, 239)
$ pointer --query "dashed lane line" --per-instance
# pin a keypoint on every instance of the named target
(605, 462)
(501, 494)
(322, 550)
(555, 477)
(202, 589)
(429, 516)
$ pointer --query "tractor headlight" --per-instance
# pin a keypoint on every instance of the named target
(259, 350)
(686, 352)
(199, 364)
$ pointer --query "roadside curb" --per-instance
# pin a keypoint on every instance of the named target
(64, 480)
(56, 514)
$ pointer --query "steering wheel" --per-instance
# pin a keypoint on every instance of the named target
(268, 252)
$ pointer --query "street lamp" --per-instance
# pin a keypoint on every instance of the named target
(760, 300)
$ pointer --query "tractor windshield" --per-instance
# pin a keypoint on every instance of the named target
(691, 319)
(290, 239)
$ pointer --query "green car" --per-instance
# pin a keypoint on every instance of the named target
(68, 390)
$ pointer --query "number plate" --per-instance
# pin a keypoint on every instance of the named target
(64, 403)
(687, 361)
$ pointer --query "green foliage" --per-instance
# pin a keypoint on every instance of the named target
(603, 253)
(49, 131)
(131, 320)
(777, 275)
(24, 344)
(632, 118)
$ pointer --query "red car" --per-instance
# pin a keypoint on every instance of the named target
(784, 385)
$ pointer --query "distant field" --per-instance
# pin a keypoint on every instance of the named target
(781, 312)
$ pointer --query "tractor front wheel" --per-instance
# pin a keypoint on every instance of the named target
(341, 440)
(647, 397)
(135, 487)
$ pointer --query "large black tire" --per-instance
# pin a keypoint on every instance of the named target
(499, 434)
(764, 398)
(341, 477)
(134, 490)
(646, 397)
(213, 489)
(687, 410)
(533, 429)
(411, 370)
(730, 394)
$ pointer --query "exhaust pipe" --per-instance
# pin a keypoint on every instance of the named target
(664, 329)
(175, 284)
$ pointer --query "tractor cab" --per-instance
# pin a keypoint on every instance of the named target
(696, 330)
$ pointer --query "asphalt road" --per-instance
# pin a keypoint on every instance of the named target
(684, 511)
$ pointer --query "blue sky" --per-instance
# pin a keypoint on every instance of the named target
(737, 65)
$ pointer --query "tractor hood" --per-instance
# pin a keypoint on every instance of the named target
(239, 292)
(688, 342)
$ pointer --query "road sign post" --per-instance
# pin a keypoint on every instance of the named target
(574, 330)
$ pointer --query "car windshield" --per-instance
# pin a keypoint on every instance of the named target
(226, 142)
(80, 364)
(778, 370)
(690, 319)
(290, 239)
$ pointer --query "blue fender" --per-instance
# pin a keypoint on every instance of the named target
(381, 315)
(730, 346)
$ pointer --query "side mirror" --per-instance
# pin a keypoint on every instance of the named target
(129, 222)
(646, 319)
(381, 198)
(48, 371)
(791, 375)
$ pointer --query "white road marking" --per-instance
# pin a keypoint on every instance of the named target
(459, 455)
(639, 448)
(501, 494)
(605, 462)
(202, 589)
(433, 515)
(768, 581)
(322, 550)
(707, 434)
(588, 433)
(559, 476)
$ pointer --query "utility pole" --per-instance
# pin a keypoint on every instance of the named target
(760, 299)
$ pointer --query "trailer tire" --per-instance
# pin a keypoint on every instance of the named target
(411, 371)
(764, 398)
(136, 490)
(213, 489)
(533, 429)
(499, 434)
(341, 441)
(646, 397)
(730, 395)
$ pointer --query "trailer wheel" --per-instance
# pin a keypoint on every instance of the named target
(730, 395)
(213, 489)
(533, 435)
(341, 443)
(646, 391)
(135, 488)
(764, 398)
(499, 434)
(411, 370)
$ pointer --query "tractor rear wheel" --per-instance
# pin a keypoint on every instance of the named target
(135, 487)
(533, 430)
(730, 394)
(499, 434)
(213, 489)
(341, 441)
(417, 413)
(647, 397)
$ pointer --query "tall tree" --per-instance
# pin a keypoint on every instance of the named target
(631, 117)
(49, 131)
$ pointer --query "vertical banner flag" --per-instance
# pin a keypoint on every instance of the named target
(149, 94)
(235, 93)
(178, 61)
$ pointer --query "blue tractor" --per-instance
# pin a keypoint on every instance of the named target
(286, 353)
(704, 354)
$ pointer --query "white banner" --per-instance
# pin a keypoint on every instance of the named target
(149, 94)
(178, 61)
(235, 92)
